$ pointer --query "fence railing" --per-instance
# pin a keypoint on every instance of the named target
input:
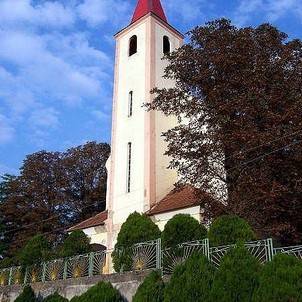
(143, 256)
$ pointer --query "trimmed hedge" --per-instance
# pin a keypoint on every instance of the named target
(36, 250)
(182, 228)
(229, 229)
(102, 292)
(27, 295)
(191, 281)
(76, 243)
(280, 280)
(151, 290)
(237, 277)
(55, 298)
(137, 228)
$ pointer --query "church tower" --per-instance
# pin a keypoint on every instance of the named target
(138, 177)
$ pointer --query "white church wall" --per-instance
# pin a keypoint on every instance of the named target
(165, 178)
(131, 77)
(97, 235)
(162, 219)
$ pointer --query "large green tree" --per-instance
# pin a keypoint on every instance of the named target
(238, 94)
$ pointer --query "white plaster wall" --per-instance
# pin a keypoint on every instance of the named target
(131, 77)
(97, 235)
(165, 178)
(162, 219)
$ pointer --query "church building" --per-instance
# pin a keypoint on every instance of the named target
(138, 177)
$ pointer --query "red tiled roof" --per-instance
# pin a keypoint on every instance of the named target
(97, 220)
(148, 6)
(178, 199)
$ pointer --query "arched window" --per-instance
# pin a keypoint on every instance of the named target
(132, 45)
(166, 45)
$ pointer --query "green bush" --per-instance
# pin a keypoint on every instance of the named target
(237, 277)
(191, 281)
(76, 243)
(229, 229)
(182, 228)
(151, 290)
(280, 280)
(27, 295)
(102, 292)
(55, 298)
(137, 228)
(35, 251)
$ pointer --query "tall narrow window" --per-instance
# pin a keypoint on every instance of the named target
(166, 45)
(130, 103)
(132, 45)
(129, 155)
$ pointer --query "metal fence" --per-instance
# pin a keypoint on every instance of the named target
(141, 256)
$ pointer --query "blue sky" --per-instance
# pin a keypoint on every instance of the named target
(56, 64)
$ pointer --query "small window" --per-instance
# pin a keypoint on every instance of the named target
(166, 45)
(130, 104)
(132, 45)
(129, 158)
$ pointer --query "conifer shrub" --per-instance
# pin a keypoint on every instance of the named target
(27, 295)
(76, 243)
(151, 290)
(191, 281)
(137, 228)
(237, 277)
(182, 228)
(102, 292)
(36, 250)
(55, 298)
(280, 280)
(229, 229)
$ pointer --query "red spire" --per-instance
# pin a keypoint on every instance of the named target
(149, 6)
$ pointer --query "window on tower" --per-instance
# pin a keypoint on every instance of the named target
(130, 103)
(166, 45)
(132, 45)
(129, 158)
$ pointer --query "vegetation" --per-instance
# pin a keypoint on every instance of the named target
(58, 188)
(280, 280)
(191, 281)
(237, 277)
(151, 290)
(182, 228)
(36, 250)
(103, 291)
(27, 295)
(137, 228)
(76, 243)
(55, 298)
(229, 229)
(244, 86)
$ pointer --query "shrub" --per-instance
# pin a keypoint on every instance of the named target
(237, 277)
(190, 281)
(27, 295)
(229, 229)
(280, 280)
(102, 292)
(55, 298)
(151, 290)
(35, 251)
(137, 228)
(75, 244)
(182, 228)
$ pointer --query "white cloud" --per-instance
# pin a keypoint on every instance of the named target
(4, 169)
(96, 12)
(271, 9)
(49, 13)
(7, 132)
